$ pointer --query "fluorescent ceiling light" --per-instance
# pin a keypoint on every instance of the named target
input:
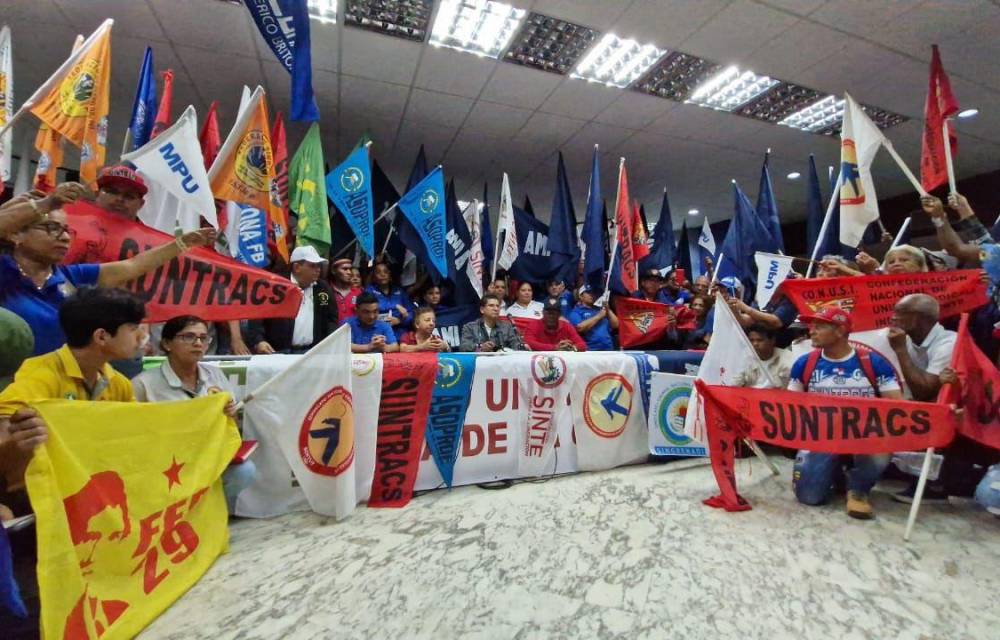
(795, 175)
(676, 76)
(398, 18)
(968, 113)
(730, 89)
(693, 212)
(550, 44)
(816, 117)
(616, 62)
(480, 27)
(323, 10)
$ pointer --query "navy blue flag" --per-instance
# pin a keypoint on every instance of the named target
(645, 369)
(528, 208)
(534, 261)
(815, 210)
(684, 251)
(594, 230)
(140, 126)
(459, 251)
(663, 254)
(10, 595)
(995, 231)
(642, 219)
(449, 404)
(449, 322)
(767, 210)
(486, 231)
(746, 235)
(562, 228)
(424, 207)
(349, 186)
(284, 25)
(384, 195)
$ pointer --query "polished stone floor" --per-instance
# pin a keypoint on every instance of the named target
(629, 553)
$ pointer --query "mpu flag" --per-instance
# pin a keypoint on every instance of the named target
(140, 127)
(772, 270)
(424, 207)
(251, 224)
(349, 186)
(284, 25)
(706, 243)
(446, 419)
(534, 261)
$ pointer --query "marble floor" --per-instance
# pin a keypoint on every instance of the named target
(627, 553)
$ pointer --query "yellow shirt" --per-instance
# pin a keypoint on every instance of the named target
(55, 375)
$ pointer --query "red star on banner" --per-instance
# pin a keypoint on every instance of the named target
(173, 473)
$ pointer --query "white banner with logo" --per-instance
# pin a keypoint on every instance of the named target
(669, 396)
(772, 270)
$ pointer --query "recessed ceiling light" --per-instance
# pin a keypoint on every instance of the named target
(968, 113)
(550, 44)
(323, 10)
(617, 62)
(818, 116)
(676, 76)
(795, 175)
(481, 27)
(399, 18)
(693, 212)
(730, 88)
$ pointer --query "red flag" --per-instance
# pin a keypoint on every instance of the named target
(977, 391)
(815, 422)
(623, 225)
(166, 103)
(199, 282)
(210, 138)
(279, 187)
(640, 241)
(941, 104)
(642, 322)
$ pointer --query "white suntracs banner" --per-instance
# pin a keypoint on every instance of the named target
(670, 395)
(772, 269)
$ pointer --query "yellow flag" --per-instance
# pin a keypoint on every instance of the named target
(244, 169)
(74, 101)
(130, 509)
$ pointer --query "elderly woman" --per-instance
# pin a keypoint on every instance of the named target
(185, 339)
(904, 258)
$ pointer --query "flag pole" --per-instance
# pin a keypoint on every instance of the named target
(376, 221)
(896, 241)
(834, 198)
(614, 248)
(947, 158)
(918, 494)
(902, 165)
(715, 271)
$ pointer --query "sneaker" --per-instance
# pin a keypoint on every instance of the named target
(858, 506)
(932, 495)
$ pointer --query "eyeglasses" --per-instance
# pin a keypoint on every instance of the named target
(191, 338)
(53, 228)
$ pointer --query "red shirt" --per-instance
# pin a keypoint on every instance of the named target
(540, 338)
(346, 302)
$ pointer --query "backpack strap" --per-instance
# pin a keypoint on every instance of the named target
(810, 367)
(865, 358)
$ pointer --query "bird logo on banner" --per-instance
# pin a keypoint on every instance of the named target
(852, 191)
(326, 439)
(607, 404)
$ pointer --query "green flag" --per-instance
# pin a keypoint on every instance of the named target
(307, 193)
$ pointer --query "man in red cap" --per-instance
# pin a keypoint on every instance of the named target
(345, 294)
(835, 368)
(121, 191)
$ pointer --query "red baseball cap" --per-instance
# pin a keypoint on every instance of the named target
(121, 176)
(830, 314)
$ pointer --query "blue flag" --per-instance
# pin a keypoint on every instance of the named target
(767, 210)
(534, 261)
(815, 211)
(449, 404)
(486, 231)
(408, 236)
(746, 235)
(284, 25)
(459, 251)
(562, 228)
(528, 207)
(594, 230)
(663, 254)
(10, 595)
(995, 231)
(424, 207)
(252, 245)
(684, 250)
(140, 127)
(349, 186)
(384, 195)
(449, 322)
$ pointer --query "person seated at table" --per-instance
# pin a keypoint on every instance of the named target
(392, 301)
(557, 289)
(422, 338)
(316, 318)
(488, 333)
(594, 324)
(777, 362)
(524, 305)
(185, 340)
(651, 287)
(368, 333)
(552, 333)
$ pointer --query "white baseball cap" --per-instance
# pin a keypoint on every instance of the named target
(307, 253)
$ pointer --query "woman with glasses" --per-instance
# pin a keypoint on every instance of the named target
(37, 236)
(183, 376)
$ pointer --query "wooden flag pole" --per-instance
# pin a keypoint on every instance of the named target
(947, 158)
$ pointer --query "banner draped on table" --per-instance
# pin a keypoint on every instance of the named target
(446, 417)
(130, 509)
(870, 299)
(815, 422)
(543, 395)
(670, 397)
(199, 282)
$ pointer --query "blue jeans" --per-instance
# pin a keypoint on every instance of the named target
(813, 475)
(988, 491)
(235, 479)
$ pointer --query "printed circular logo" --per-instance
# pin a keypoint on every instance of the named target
(77, 89)
(670, 415)
(429, 201)
(607, 404)
(548, 371)
(326, 439)
(362, 364)
(449, 372)
(352, 179)
(252, 160)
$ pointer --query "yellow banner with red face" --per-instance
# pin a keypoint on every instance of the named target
(130, 509)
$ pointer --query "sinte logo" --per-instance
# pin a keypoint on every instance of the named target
(607, 404)
(326, 439)
(548, 371)
(252, 160)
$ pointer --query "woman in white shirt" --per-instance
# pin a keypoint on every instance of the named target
(524, 305)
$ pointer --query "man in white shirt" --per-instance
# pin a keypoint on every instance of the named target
(922, 345)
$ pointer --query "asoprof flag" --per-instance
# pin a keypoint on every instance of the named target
(860, 140)
(446, 415)
(130, 509)
(349, 186)
(424, 207)
(307, 193)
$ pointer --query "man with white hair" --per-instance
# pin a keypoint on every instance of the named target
(922, 345)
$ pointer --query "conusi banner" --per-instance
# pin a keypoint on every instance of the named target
(870, 299)
(815, 422)
(199, 282)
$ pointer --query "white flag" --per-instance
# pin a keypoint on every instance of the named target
(609, 418)
(474, 265)
(173, 162)
(706, 240)
(543, 398)
(6, 103)
(729, 354)
(772, 270)
(506, 253)
(309, 409)
(860, 140)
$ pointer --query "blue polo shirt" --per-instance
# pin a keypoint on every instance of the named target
(40, 307)
(599, 337)
(364, 335)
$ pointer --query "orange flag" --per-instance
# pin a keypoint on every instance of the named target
(74, 100)
(50, 156)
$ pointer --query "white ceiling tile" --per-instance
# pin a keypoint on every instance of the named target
(360, 97)
(378, 57)
(519, 86)
(634, 110)
(605, 135)
(796, 49)
(132, 18)
(582, 100)
(667, 24)
(801, 7)
(596, 14)
(436, 108)
(32, 12)
(861, 18)
(454, 72)
(548, 130)
(496, 119)
(212, 26)
(325, 50)
(737, 30)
